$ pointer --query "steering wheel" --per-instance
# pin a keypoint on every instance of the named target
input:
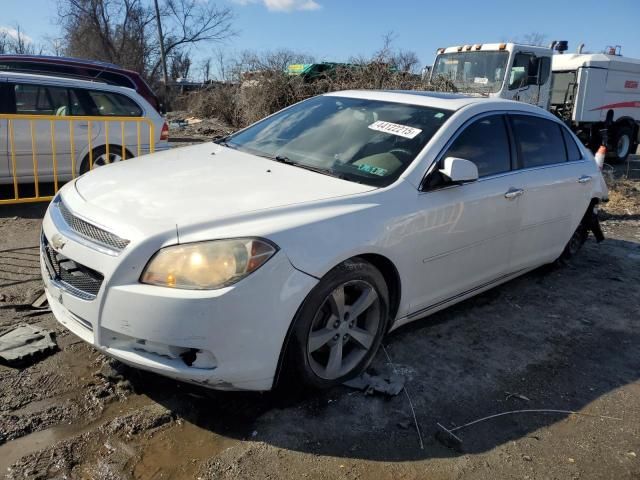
(403, 153)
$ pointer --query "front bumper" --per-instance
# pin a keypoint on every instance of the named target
(228, 339)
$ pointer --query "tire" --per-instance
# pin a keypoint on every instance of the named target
(623, 144)
(574, 244)
(324, 350)
(99, 157)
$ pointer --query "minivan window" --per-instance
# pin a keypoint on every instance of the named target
(538, 140)
(114, 104)
(46, 100)
(573, 152)
(485, 143)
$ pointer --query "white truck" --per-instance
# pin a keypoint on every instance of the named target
(596, 94)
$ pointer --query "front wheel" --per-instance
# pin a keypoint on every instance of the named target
(340, 326)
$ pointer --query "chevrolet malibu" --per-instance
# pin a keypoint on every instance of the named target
(296, 244)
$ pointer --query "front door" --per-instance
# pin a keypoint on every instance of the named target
(463, 234)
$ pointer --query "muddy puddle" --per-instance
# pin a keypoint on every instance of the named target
(177, 452)
(11, 451)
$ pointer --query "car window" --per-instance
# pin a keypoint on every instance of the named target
(573, 152)
(116, 79)
(538, 140)
(485, 143)
(114, 104)
(32, 100)
(360, 140)
(47, 100)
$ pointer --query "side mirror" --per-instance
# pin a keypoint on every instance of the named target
(459, 170)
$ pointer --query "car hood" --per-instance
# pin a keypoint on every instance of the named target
(191, 185)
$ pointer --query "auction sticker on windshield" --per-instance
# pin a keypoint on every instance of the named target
(395, 129)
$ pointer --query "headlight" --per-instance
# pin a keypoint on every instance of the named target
(207, 265)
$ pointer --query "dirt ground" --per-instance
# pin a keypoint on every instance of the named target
(558, 338)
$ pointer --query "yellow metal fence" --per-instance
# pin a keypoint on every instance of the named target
(37, 138)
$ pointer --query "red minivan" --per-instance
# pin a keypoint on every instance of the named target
(79, 68)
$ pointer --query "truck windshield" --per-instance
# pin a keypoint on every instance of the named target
(360, 140)
(473, 71)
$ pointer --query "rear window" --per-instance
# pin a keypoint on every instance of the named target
(573, 152)
(111, 104)
(538, 140)
(116, 79)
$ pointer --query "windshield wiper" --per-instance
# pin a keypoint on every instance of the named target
(225, 143)
(288, 161)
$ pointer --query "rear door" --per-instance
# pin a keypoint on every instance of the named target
(555, 189)
(5, 107)
(44, 144)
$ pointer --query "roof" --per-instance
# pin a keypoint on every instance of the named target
(55, 80)
(442, 100)
(64, 60)
(573, 61)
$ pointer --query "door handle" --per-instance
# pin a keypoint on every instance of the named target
(513, 193)
(584, 179)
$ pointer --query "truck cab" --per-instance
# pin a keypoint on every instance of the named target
(596, 94)
(504, 70)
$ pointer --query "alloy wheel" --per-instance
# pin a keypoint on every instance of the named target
(101, 160)
(344, 329)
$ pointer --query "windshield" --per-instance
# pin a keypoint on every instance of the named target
(365, 141)
(473, 71)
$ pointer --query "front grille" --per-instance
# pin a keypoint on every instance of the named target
(91, 232)
(77, 279)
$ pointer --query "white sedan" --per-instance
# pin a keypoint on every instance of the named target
(296, 244)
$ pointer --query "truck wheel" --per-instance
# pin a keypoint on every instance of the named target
(623, 143)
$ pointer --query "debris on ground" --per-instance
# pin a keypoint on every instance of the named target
(41, 302)
(388, 384)
(23, 343)
(516, 395)
(451, 440)
(183, 126)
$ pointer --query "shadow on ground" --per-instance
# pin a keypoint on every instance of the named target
(559, 338)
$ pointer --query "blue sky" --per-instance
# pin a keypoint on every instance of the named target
(338, 29)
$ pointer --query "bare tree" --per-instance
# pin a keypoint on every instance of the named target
(14, 40)
(406, 61)
(125, 31)
(188, 22)
(4, 42)
(55, 45)
(536, 39)
(205, 68)
(180, 66)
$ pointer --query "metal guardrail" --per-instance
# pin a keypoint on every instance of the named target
(99, 124)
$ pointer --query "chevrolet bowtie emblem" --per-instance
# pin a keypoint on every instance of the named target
(58, 241)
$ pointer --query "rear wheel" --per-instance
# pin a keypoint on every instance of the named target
(100, 158)
(623, 143)
(340, 326)
(575, 243)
